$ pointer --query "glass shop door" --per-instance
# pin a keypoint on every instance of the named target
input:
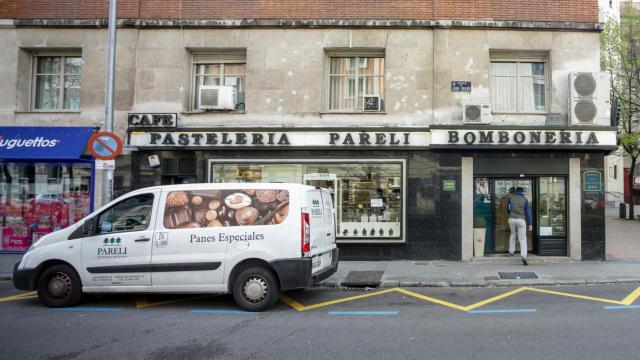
(502, 189)
(491, 196)
(552, 216)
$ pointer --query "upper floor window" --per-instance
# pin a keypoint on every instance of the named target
(219, 69)
(356, 83)
(518, 85)
(56, 82)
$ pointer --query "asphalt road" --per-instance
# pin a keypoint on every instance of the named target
(393, 325)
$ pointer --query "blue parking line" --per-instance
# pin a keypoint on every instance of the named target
(216, 311)
(498, 311)
(363, 313)
(621, 307)
(89, 309)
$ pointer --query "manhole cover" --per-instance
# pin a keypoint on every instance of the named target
(517, 275)
(363, 278)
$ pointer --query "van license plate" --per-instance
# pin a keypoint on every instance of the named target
(316, 263)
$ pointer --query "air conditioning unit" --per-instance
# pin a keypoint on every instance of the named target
(476, 113)
(217, 97)
(371, 103)
(589, 102)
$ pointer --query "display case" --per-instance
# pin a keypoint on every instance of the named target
(367, 195)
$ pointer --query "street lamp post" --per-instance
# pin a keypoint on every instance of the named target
(107, 174)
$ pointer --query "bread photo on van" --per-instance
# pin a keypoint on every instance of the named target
(249, 240)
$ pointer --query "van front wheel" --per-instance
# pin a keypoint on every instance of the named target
(255, 289)
(59, 286)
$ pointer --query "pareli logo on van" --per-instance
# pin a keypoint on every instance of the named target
(111, 246)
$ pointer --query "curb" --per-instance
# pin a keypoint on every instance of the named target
(493, 283)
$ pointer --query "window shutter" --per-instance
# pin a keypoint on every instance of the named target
(211, 57)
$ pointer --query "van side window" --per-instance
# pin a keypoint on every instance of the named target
(132, 214)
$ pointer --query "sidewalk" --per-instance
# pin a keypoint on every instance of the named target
(623, 265)
(454, 273)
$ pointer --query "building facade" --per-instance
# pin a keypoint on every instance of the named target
(420, 116)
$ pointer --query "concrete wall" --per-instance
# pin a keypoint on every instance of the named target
(285, 82)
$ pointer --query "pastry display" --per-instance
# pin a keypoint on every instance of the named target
(177, 199)
(237, 200)
(267, 196)
(216, 208)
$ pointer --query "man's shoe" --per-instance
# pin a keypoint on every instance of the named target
(511, 254)
(524, 261)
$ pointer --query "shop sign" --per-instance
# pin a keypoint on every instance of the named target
(521, 138)
(592, 181)
(151, 120)
(43, 142)
(280, 139)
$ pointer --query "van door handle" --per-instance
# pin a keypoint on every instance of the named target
(328, 234)
(140, 239)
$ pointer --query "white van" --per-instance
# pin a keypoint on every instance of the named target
(251, 240)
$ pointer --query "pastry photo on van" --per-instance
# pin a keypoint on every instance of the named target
(216, 208)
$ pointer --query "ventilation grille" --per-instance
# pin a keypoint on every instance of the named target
(585, 110)
(585, 84)
(472, 113)
(209, 97)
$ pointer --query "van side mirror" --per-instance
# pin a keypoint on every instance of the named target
(88, 227)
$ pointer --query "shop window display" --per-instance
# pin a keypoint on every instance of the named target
(368, 197)
(39, 198)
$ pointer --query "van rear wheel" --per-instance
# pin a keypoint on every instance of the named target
(255, 289)
(59, 286)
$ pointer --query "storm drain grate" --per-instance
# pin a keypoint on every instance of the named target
(363, 279)
(517, 275)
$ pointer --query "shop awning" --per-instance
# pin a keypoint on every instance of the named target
(44, 142)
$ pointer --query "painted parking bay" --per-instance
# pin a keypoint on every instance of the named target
(523, 300)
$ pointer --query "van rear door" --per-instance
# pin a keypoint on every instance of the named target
(316, 221)
(322, 229)
(329, 219)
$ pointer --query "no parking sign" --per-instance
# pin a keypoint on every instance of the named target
(105, 145)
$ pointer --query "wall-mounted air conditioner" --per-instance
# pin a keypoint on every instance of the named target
(589, 102)
(371, 103)
(216, 97)
(476, 113)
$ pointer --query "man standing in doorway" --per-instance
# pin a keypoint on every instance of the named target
(519, 217)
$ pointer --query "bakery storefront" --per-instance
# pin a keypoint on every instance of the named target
(428, 194)
(561, 171)
(46, 182)
(393, 198)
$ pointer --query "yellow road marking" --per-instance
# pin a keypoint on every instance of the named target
(29, 295)
(300, 307)
(430, 299)
(493, 299)
(142, 302)
(576, 296)
(294, 304)
(631, 297)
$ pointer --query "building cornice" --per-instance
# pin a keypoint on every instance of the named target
(308, 23)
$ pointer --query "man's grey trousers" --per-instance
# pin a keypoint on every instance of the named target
(518, 227)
